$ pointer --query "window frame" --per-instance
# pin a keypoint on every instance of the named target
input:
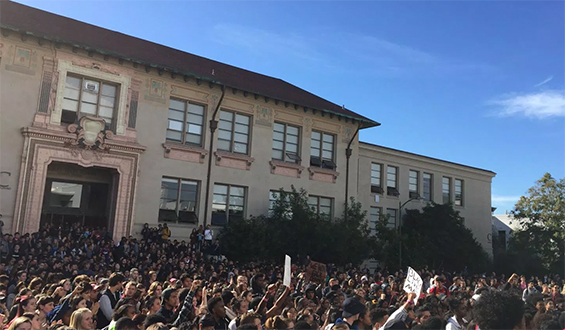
(101, 83)
(392, 191)
(66, 67)
(373, 222)
(185, 122)
(233, 132)
(377, 188)
(323, 162)
(227, 205)
(317, 210)
(443, 192)
(413, 193)
(459, 201)
(431, 185)
(388, 209)
(285, 157)
(178, 201)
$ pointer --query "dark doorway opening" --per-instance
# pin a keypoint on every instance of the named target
(76, 195)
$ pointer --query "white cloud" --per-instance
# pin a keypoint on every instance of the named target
(504, 199)
(540, 105)
(340, 51)
(545, 81)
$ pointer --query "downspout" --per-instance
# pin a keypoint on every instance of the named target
(348, 153)
(213, 127)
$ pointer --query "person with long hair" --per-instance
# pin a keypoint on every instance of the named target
(152, 305)
(23, 304)
(81, 319)
(155, 290)
(20, 323)
(34, 319)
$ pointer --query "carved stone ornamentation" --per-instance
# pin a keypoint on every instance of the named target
(90, 134)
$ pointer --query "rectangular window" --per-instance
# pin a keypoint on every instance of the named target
(285, 143)
(233, 132)
(413, 183)
(391, 181)
(185, 122)
(391, 218)
(502, 239)
(321, 205)
(88, 97)
(374, 216)
(428, 183)
(322, 150)
(446, 189)
(274, 196)
(65, 194)
(178, 200)
(228, 204)
(458, 192)
(376, 178)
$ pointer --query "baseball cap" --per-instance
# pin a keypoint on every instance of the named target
(352, 306)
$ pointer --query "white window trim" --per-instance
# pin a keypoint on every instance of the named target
(64, 67)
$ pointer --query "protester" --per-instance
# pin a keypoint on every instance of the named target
(78, 277)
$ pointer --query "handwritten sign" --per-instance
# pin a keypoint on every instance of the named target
(316, 272)
(286, 275)
(413, 283)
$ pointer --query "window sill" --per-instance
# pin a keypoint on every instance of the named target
(184, 152)
(233, 160)
(280, 167)
(322, 174)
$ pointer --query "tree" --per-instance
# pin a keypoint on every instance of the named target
(436, 237)
(293, 228)
(541, 214)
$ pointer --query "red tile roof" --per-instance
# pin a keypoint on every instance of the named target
(24, 19)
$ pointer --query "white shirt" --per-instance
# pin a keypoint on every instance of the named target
(452, 324)
(208, 234)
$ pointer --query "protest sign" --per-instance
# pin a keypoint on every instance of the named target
(413, 283)
(316, 272)
(286, 277)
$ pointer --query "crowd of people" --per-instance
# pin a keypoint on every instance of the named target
(77, 278)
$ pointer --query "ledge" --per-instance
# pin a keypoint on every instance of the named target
(322, 174)
(233, 160)
(184, 152)
(292, 170)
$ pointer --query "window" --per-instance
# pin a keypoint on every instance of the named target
(274, 196)
(428, 182)
(285, 143)
(458, 192)
(65, 194)
(185, 122)
(322, 150)
(413, 178)
(374, 216)
(228, 204)
(178, 200)
(321, 205)
(85, 96)
(376, 178)
(446, 189)
(233, 132)
(391, 218)
(391, 181)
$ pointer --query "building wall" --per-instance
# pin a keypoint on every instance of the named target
(20, 105)
(476, 208)
(26, 66)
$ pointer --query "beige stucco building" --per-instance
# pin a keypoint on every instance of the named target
(109, 130)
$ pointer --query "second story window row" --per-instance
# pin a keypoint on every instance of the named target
(233, 132)
(90, 97)
(185, 122)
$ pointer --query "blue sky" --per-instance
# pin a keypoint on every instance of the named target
(479, 83)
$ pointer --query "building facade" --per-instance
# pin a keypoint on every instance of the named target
(112, 131)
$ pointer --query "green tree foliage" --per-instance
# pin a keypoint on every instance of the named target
(435, 237)
(541, 214)
(293, 228)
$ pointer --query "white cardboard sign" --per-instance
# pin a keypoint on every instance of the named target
(413, 283)
(286, 277)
